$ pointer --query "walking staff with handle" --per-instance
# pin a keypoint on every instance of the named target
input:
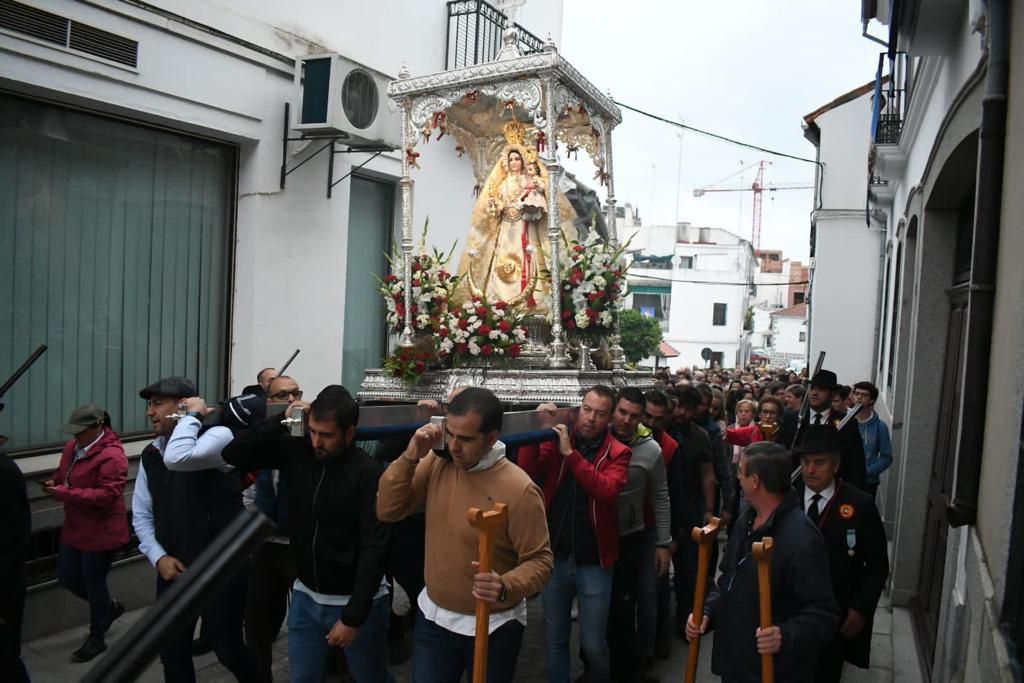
(487, 523)
(704, 537)
(763, 554)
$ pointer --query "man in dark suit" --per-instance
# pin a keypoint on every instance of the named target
(852, 465)
(855, 541)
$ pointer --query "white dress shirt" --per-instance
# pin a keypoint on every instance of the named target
(824, 415)
(826, 495)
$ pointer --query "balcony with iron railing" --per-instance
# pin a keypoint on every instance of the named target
(475, 31)
(888, 117)
(890, 102)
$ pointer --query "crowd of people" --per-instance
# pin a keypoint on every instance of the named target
(599, 521)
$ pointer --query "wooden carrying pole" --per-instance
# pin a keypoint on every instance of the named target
(763, 554)
(703, 537)
(487, 523)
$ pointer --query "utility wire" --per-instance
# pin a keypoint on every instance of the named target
(716, 136)
(716, 282)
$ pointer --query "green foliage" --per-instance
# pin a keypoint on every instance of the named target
(640, 335)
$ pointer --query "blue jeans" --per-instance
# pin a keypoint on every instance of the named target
(84, 573)
(442, 656)
(592, 587)
(308, 625)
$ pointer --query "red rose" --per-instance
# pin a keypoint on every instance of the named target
(481, 311)
(513, 350)
(463, 324)
(594, 296)
(591, 313)
(578, 249)
(442, 332)
(419, 367)
(504, 326)
(566, 313)
(484, 330)
(570, 324)
(487, 349)
(390, 278)
(576, 277)
(462, 348)
(443, 275)
(501, 305)
(416, 266)
(400, 310)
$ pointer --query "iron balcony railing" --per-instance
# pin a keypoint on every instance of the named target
(891, 93)
(475, 31)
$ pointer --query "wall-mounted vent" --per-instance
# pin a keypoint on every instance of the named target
(52, 28)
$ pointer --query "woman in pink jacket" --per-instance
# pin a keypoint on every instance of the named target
(90, 483)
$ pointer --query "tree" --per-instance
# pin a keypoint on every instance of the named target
(640, 335)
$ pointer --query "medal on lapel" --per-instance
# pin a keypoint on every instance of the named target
(851, 541)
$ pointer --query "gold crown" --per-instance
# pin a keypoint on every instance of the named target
(531, 155)
(515, 132)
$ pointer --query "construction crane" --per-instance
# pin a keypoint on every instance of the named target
(757, 187)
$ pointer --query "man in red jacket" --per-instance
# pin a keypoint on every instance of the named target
(90, 482)
(581, 475)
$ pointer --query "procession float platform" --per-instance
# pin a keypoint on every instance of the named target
(519, 387)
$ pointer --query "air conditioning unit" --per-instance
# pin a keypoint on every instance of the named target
(336, 96)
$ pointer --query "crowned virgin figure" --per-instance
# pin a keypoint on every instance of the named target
(507, 251)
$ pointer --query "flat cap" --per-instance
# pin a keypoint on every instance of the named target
(83, 417)
(173, 387)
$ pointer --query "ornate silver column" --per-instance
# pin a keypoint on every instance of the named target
(407, 240)
(615, 347)
(557, 357)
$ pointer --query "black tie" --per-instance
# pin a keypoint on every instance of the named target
(812, 511)
(817, 418)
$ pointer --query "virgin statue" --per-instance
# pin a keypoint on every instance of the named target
(507, 251)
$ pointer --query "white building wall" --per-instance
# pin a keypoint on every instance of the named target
(291, 244)
(846, 271)
(720, 267)
(787, 334)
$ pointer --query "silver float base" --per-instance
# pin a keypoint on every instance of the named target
(522, 386)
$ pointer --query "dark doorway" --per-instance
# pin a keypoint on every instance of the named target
(953, 198)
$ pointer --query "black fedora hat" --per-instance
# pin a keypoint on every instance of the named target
(819, 439)
(825, 379)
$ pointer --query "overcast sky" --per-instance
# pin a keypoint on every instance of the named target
(746, 69)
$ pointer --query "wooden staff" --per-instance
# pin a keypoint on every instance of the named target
(703, 537)
(487, 523)
(763, 554)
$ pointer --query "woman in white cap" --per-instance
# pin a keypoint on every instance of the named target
(90, 483)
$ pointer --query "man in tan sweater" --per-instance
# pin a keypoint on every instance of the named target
(471, 472)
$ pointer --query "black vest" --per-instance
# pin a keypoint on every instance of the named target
(190, 508)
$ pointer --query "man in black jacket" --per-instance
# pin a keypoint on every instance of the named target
(804, 612)
(852, 465)
(338, 544)
(857, 553)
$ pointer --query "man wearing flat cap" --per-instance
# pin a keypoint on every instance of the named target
(855, 542)
(185, 495)
(852, 465)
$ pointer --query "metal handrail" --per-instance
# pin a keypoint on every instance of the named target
(475, 31)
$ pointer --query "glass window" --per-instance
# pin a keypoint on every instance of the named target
(115, 247)
(371, 210)
(718, 317)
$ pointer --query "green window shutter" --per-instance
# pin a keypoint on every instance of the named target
(114, 252)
